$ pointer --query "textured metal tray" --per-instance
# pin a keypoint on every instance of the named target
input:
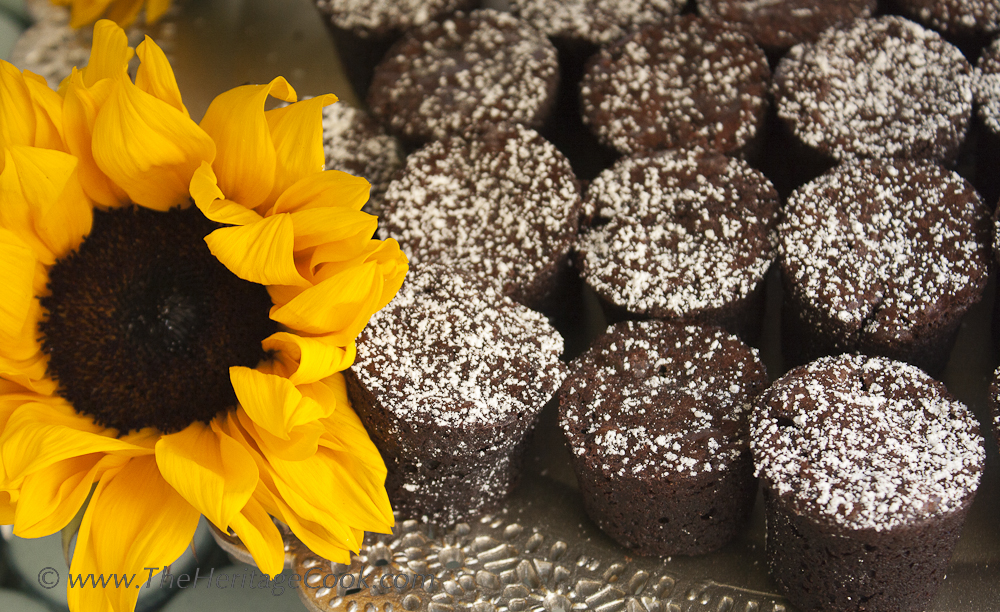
(540, 552)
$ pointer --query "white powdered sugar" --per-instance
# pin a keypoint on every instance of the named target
(504, 205)
(365, 17)
(685, 232)
(779, 24)
(873, 245)
(452, 352)
(866, 443)
(480, 68)
(883, 87)
(687, 83)
(961, 17)
(354, 143)
(988, 87)
(595, 21)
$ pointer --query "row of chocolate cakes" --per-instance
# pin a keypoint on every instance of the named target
(654, 172)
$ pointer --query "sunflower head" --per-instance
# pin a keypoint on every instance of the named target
(177, 301)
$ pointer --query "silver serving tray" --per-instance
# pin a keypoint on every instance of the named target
(540, 552)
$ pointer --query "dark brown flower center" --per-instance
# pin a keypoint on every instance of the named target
(144, 323)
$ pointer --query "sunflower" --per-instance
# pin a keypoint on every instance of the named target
(122, 12)
(177, 302)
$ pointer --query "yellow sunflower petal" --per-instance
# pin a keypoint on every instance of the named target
(44, 201)
(50, 498)
(85, 558)
(297, 132)
(345, 432)
(339, 306)
(259, 534)
(156, 77)
(332, 542)
(124, 12)
(79, 115)
(17, 277)
(18, 126)
(156, 9)
(262, 252)
(48, 112)
(329, 188)
(109, 53)
(246, 160)
(212, 203)
(209, 469)
(346, 228)
(7, 508)
(135, 520)
(273, 401)
(309, 360)
(147, 147)
(39, 435)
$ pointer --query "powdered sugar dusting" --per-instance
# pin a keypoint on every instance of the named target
(779, 24)
(882, 87)
(685, 232)
(988, 87)
(356, 144)
(686, 83)
(467, 70)
(596, 21)
(652, 398)
(866, 443)
(367, 17)
(872, 245)
(957, 16)
(453, 352)
(504, 205)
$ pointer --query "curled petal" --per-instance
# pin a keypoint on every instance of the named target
(273, 402)
(110, 53)
(245, 165)
(212, 203)
(297, 133)
(331, 188)
(147, 147)
(32, 112)
(338, 307)
(262, 252)
(17, 276)
(156, 77)
(211, 470)
(79, 116)
(307, 360)
(259, 534)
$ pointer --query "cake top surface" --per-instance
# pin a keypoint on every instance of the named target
(988, 86)
(453, 352)
(594, 21)
(469, 69)
(380, 17)
(881, 245)
(779, 24)
(652, 398)
(355, 143)
(866, 443)
(503, 203)
(882, 87)
(678, 232)
(962, 17)
(688, 82)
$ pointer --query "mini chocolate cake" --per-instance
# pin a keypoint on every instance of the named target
(596, 22)
(685, 83)
(882, 257)
(502, 203)
(681, 235)
(868, 467)
(882, 87)
(356, 144)
(449, 380)
(363, 30)
(468, 70)
(987, 98)
(776, 25)
(960, 17)
(656, 417)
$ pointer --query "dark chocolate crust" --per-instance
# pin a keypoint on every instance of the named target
(959, 17)
(882, 87)
(689, 82)
(883, 258)
(776, 26)
(656, 417)
(868, 467)
(466, 71)
(681, 235)
(503, 203)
